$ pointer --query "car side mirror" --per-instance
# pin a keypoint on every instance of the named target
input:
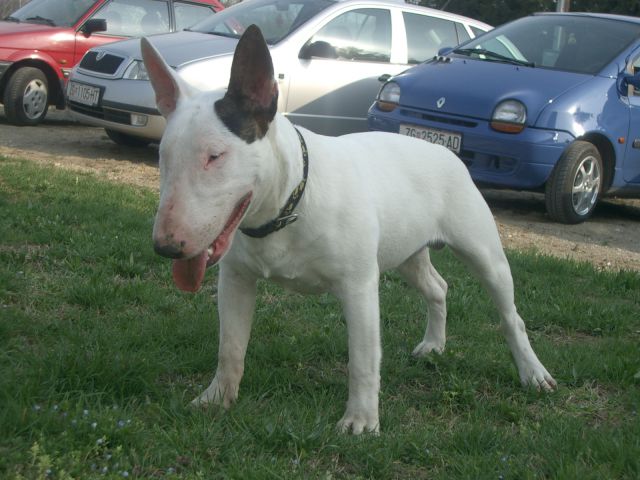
(444, 51)
(384, 78)
(628, 79)
(93, 25)
(319, 49)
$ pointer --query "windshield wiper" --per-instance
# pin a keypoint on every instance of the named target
(12, 19)
(493, 56)
(39, 19)
(221, 34)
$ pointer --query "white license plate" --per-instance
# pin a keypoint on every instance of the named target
(85, 94)
(451, 140)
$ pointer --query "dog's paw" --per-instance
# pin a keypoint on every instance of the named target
(358, 423)
(218, 393)
(539, 379)
(426, 347)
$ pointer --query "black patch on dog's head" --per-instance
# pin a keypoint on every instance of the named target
(251, 100)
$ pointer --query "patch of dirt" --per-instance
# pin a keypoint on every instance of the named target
(610, 240)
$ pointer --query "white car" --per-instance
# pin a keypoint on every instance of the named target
(328, 56)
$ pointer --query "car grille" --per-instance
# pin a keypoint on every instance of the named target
(440, 119)
(105, 63)
(108, 114)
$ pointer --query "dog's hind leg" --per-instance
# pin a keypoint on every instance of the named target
(483, 252)
(236, 304)
(418, 272)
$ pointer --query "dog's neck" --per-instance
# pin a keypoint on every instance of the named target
(281, 172)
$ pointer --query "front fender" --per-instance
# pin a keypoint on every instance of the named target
(596, 107)
(34, 58)
(44, 62)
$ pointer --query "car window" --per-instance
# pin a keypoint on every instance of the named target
(275, 18)
(62, 13)
(187, 14)
(476, 31)
(363, 35)
(635, 69)
(463, 35)
(426, 35)
(135, 18)
(560, 42)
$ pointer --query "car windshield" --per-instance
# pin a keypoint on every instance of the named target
(574, 43)
(57, 13)
(276, 18)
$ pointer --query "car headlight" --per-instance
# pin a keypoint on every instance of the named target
(509, 116)
(136, 71)
(389, 97)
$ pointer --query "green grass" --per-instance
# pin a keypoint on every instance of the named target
(100, 356)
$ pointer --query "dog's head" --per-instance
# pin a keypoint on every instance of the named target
(209, 156)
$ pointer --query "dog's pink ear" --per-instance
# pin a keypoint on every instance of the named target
(163, 80)
(251, 100)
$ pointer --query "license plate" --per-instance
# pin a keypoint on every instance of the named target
(82, 93)
(451, 140)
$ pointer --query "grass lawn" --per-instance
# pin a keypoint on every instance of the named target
(100, 356)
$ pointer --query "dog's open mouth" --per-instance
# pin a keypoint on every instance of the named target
(188, 274)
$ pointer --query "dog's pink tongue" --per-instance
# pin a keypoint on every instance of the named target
(188, 274)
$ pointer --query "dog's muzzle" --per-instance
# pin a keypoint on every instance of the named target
(168, 250)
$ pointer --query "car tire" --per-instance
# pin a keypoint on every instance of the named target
(127, 140)
(575, 185)
(26, 96)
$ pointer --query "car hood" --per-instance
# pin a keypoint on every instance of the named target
(473, 88)
(27, 35)
(177, 49)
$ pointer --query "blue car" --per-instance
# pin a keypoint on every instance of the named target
(549, 102)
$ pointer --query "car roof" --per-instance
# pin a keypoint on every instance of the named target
(418, 8)
(609, 16)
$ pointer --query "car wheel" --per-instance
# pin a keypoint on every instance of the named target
(575, 184)
(127, 140)
(26, 96)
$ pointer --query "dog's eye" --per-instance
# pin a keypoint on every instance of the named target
(211, 159)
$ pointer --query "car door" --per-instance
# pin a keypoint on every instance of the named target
(631, 164)
(334, 82)
(125, 18)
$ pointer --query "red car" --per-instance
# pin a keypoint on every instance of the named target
(43, 40)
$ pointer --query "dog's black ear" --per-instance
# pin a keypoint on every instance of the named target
(166, 84)
(251, 100)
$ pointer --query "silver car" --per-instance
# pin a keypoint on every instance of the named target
(327, 55)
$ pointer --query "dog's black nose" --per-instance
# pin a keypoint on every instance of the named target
(168, 250)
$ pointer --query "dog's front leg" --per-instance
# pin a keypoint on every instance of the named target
(236, 304)
(362, 312)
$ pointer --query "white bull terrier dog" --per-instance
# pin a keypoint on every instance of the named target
(235, 175)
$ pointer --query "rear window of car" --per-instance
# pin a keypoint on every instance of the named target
(188, 14)
(426, 35)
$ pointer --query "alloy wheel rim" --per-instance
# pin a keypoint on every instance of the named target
(34, 100)
(586, 185)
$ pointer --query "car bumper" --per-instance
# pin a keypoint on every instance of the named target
(126, 106)
(123, 120)
(520, 161)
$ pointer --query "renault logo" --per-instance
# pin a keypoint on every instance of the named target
(440, 102)
(101, 55)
